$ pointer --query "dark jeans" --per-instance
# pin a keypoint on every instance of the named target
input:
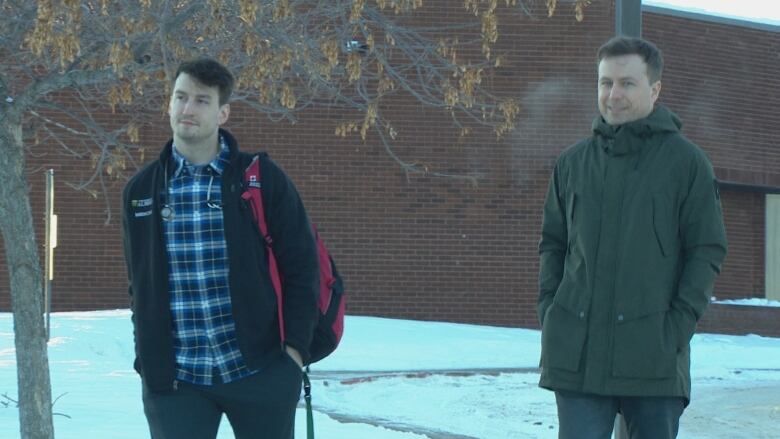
(259, 406)
(587, 416)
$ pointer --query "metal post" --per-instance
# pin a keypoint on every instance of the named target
(51, 243)
(628, 18)
(628, 22)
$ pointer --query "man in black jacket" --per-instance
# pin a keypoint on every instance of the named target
(204, 310)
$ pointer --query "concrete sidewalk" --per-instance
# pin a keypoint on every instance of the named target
(719, 409)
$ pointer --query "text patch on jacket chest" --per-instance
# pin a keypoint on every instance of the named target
(141, 207)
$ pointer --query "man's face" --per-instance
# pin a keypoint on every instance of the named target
(195, 111)
(625, 92)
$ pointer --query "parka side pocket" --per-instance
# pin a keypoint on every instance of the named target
(645, 347)
(563, 336)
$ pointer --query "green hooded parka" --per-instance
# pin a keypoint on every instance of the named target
(632, 240)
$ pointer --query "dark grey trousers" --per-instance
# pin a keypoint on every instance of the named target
(259, 406)
(587, 416)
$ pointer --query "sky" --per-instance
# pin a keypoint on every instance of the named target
(761, 11)
(396, 379)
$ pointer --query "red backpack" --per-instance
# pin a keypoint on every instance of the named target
(330, 326)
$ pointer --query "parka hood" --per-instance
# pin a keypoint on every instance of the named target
(623, 139)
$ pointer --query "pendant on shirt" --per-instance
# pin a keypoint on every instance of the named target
(166, 212)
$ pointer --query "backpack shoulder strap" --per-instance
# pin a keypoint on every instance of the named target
(253, 194)
(254, 185)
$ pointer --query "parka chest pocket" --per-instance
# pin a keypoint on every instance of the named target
(571, 203)
(663, 225)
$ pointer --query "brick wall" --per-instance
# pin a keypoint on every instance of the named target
(443, 249)
(721, 80)
(742, 275)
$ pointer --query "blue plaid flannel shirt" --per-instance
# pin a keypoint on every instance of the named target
(204, 330)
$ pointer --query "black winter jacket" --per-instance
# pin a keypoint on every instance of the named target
(251, 291)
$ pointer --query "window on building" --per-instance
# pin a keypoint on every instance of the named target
(772, 246)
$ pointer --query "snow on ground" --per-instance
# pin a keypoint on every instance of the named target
(755, 301)
(395, 379)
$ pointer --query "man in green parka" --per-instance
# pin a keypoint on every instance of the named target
(632, 240)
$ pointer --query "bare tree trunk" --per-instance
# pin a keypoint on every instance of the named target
(24, 269)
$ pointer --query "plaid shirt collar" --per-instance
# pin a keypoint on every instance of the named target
(217, 164)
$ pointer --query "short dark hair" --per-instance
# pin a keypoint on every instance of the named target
(646, 50)
(210, 73)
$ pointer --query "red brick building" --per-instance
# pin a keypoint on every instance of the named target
(429, 248)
